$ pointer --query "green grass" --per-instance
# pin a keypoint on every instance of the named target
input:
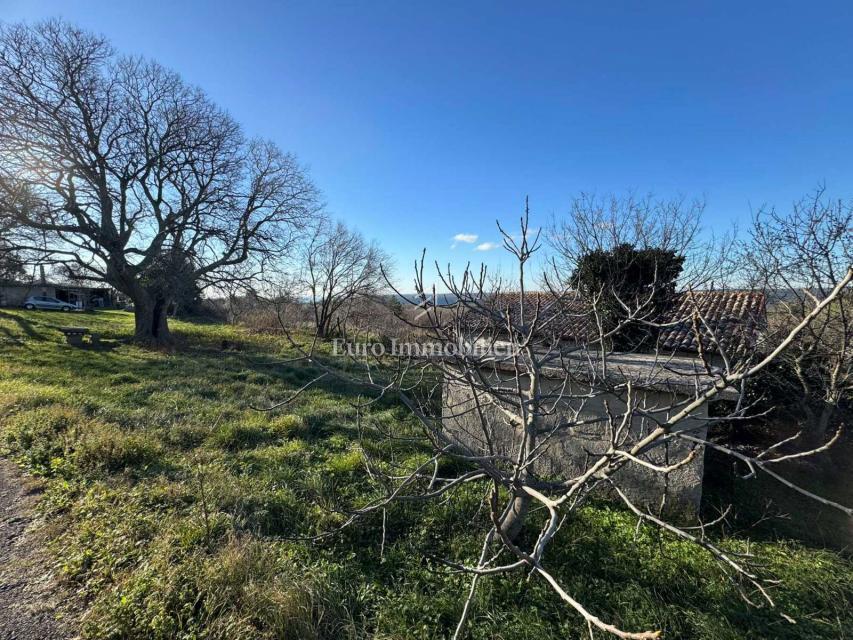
(175, 510)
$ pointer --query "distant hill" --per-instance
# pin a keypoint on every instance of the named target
(440, 298)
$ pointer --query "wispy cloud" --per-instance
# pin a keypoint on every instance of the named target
(467, 238)
(486, 246)
(531, 234)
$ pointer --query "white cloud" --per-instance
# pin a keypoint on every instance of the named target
(531, 234)
(467, 238)
(486, 246)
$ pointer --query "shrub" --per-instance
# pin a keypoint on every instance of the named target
(630, 275)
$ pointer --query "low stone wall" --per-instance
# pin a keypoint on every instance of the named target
(571, 453)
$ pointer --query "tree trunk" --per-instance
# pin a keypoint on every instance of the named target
(152, 327)
(324, 325)
(513, 520)
(819, 422)
(322, 331)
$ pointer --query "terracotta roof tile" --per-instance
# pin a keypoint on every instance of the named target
(734, 318)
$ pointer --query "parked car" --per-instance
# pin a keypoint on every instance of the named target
(46, 302)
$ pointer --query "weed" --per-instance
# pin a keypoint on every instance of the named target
(178, 512)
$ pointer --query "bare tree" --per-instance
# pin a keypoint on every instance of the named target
(504, 399)
(116, 168)
(798, 258)
(603, 223)
(338, 267)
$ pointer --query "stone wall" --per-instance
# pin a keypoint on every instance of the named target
(570, 454)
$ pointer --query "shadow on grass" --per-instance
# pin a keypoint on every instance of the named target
(766, 510)
(24, 325)
(102, 345)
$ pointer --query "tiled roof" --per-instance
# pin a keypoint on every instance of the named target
(734, 318)
(565, 317)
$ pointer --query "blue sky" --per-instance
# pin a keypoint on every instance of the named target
(423, 120)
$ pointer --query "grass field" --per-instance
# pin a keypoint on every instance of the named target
(175, 511)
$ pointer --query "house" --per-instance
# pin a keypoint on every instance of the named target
(668, 373)
(13, 294)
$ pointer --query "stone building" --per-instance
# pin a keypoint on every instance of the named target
(672, 375)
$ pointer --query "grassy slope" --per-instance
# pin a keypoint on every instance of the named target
(174, 506)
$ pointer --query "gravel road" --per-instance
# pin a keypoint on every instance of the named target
(28, 592)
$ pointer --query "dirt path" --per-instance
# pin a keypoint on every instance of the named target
(28, 593)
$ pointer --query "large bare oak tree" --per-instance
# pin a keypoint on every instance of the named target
(119, 170)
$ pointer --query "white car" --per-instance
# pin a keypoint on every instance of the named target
(46, 302)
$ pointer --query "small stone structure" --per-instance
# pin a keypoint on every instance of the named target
(570, 453)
